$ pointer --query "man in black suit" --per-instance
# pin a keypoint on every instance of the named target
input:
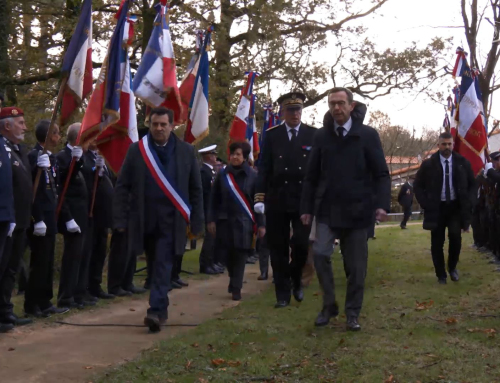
(445, 187)
(43, 229)
(208, 173)
(158, 192)
(102, 217)
(73, 223)
(13, 129)
(405, 199)
(282, 167)
(347, 181)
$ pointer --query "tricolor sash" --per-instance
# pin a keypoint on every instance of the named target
(239, 197)
(160, 176)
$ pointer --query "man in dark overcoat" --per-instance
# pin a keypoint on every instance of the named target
(445, 188)
(157, 192)
(282, 166)
(405, 199)
(347, 181)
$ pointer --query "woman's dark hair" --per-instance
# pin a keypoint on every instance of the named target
(41, 130)
(243, 145)
(161, 111)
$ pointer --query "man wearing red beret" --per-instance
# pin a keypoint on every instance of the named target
(13, 128)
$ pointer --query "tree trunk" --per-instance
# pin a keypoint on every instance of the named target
(5, 72)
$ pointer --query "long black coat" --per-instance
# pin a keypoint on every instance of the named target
(207, 178)
(6, 195)
(282, 168)
(405, 196)
(128, 200)
(22, 184)
(223, 205)
(45, 202)
(347, 178)
(77, 199)
(428, 186)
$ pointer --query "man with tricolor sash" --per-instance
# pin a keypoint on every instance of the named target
(157, 195)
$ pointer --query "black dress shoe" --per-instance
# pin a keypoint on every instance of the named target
(326, 313)
(298, 294)
(121, 293)
(15, 320)
(352, 324)
(85, 303)
(442, 281)
(208, 270)
(175, 285)
(218, 270)
(236, 295)
(250, 261)
(90, 298)
(137, 290)
(147, 285)
(101, 294)
(220, 266)
(281, 304)
(263, 277)
(5, 327)
(181, 282)
(52, 310)
(154, 322)
(454, 275)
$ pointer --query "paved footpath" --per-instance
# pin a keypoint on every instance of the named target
(48, 352)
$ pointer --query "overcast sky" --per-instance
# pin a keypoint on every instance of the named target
(396, 25)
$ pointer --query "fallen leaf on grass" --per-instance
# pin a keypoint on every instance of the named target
(234, 363)
(451, 321)
(188, 365)
(402, 315)
(11, 349)
(424, 305)
(132, 309)
(201, 380)
(483, 330)
(195, 345)
(234, 343)
(390, 379)
(218, 362)
(89, 368)
(341, 341)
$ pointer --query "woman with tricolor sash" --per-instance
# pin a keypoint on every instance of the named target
(231, 215)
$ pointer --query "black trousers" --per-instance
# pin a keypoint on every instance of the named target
(39, 290)
(236, 261)
(177, 267)
(406, 216)
(72, 258)
(477, 232)
(97, 258)
(263, 251)
(207, 251)
(4, 229)
(449, 217)
(9, 266)
(83, 272)
(287, 274)
(220, 250)
(121, 264)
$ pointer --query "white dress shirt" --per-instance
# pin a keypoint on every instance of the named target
(450, 167)
(288, 129)
(347, 126)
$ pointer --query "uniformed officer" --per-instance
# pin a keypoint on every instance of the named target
(43, 229)
(282, 167)
(13, 129)
(208, 173)
(7, 217)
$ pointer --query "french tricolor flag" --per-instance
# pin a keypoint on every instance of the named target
(77, 64)
(156, 78)
(460, 63)
(238, 131)
(197, 125)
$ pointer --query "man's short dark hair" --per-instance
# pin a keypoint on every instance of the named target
(445, 135)
(161, 111)
(41, 130)
(350, 96)
(243, 145)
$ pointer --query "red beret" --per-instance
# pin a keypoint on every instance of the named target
(10, 112)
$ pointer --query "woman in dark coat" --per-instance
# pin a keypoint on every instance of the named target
(231, 215)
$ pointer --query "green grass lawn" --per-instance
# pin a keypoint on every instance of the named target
(414, 330)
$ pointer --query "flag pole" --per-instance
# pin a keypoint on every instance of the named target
(94, 191)
(50, 132)
(66, 184)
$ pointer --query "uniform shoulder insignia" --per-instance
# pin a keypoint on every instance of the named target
(272, 127)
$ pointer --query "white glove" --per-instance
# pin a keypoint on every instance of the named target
(40, 229)
(11, 229)
(77, 152)
(99, 161)
(43, 161)
(259, 208)
(101, 172)
(73, 227)
(487, 167)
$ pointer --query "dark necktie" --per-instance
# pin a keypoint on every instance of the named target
(294, 136)
(447, 190)
(341, 130)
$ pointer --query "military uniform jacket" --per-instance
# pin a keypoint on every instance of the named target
(207, 178)
(22, 184)
(282, 168)
(45, 202)
(6, 193)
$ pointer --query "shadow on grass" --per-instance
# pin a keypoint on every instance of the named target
(413, 329)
